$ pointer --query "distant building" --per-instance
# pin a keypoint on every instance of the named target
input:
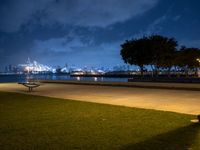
(34, 67)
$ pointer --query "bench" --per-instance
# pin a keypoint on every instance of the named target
(30, 85)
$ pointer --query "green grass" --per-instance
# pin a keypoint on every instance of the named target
(34, 122)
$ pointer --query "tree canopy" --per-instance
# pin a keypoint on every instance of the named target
(160, 52)
(135, 52)
(186, 58)
(163, 50)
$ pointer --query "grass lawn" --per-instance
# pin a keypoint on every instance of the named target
(34, 122)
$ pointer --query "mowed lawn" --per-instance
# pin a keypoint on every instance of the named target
(34, 122)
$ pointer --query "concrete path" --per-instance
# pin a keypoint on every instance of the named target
(155, 85)
(181, 101)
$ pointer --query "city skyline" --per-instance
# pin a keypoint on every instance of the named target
(89, 33)
(37, 67)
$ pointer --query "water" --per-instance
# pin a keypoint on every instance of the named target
(24, 78)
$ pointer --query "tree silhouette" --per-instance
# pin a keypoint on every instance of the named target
(135, 52)
(186, 59)
(163, 52)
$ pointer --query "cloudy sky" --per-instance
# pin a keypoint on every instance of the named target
(89, 32)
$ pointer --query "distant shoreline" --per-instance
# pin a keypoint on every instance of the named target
(100, 78)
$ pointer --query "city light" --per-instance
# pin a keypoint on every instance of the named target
(34, 67)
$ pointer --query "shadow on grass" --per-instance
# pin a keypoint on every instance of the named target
(180, 139)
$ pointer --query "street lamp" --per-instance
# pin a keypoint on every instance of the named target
(198, 59)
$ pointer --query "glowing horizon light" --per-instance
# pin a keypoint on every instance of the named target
(35, 67)
(95, 79)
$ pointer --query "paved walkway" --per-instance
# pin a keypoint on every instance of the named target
(155, 85)
(181, 101)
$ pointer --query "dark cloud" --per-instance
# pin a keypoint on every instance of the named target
(73, 49)
(89, 32)
(88, 13)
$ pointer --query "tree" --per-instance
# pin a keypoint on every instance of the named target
(135, 52)
(186, 59)
(163, 52)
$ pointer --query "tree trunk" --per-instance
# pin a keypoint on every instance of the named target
(196, 72)
(186, 72)
(142, 70)
(152, 70)
(169, 71)
(177, 72)
(156, 71)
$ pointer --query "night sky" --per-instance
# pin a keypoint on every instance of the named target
(89, 32)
